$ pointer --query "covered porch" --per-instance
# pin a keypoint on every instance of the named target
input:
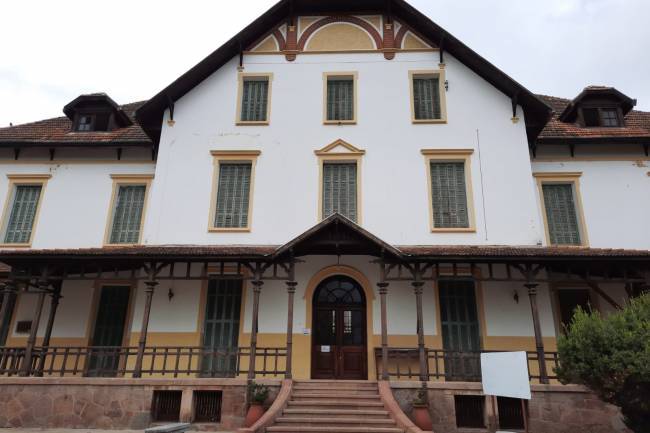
(233, 310)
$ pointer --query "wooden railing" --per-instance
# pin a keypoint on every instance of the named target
(404, 364)
(176, 361)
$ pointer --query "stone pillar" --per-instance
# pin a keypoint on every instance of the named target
(417, 288)
(142, 343)
(383, 291)
(54, 304)
(26, 368)
(257, 289)
(539, 342)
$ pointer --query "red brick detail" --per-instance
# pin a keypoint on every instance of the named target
(389, 40)
(399, 38)
(291, 45)
(278, 37)
(340, 19)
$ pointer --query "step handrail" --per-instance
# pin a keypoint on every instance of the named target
(279, 404)
(395, 411)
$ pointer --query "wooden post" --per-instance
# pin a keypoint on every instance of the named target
(31, 341)
(151, 284)
(257, 288)
(417, 288)
(8, 291)
(291, 291)
(54, 304)
(383, 291)
(539, 342)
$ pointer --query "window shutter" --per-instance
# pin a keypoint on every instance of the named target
(449, 195)
(340, 99)
(23, 214)
(233, 195)
(127, 214)
(426, 98)
(561, 215)
(340, 190)
(254, 100)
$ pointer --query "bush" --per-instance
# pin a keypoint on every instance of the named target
(611, 356)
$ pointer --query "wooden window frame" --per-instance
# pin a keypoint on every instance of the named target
(355, 99)
(231, 156)
(564, 178)
(352, 155)
(243, 76)
(16, 180)
(440, 73)
(121, 180)
(555, 288)
(451, 155)
(600, 108)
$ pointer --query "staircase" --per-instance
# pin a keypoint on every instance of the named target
(336, 407)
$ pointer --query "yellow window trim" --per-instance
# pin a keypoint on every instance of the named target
(352, 155)
(231, 156)
(243, 76)
(23, 179)
(440, 73)
(451, 155)
(127, 179)
(572, 178)
(351, 74)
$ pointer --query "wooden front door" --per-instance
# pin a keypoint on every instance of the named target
(461, 337)
(108, 334)
(339, 343)
(221, 328)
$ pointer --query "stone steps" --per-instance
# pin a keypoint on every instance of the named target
(335, 407)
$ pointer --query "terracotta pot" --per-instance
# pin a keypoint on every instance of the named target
(421, 417)
(255, 412)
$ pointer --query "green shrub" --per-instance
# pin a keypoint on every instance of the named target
(611, 356)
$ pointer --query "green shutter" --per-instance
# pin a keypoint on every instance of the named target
(426, 98)
(255, 95)
(23, 214)
(233, 195)
(340, 190)
(127, 214)
(561, 215)
(340, 99)
(449, 195)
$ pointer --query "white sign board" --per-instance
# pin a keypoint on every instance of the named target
(505, 374)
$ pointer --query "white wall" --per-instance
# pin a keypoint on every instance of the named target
(615, 199)
(394, 187)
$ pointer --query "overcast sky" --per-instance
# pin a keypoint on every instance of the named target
(52, 51)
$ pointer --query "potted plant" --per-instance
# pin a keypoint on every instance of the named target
(421, 416)
(257, 395)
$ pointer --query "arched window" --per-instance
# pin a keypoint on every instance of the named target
(339, 290)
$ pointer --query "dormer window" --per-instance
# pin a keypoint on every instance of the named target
(84, 123)
(595, 117)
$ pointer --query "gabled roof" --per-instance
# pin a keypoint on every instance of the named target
(337, 235)
(536, 111)
(58, 132)
(635, 131)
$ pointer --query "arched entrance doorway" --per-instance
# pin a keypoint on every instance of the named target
(339, 342)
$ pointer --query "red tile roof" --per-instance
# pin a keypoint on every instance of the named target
(59, 130)
(637, 124)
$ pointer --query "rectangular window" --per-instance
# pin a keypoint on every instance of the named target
(339, 189)
(609, 117)
(340, 98)
(569, 300)
(232, 190)
(22, 207)
(449, 195)
(427, 97)
(591, 116)
(470, 411)
(84, 123)
(562, 208)
(127, 214)
(254, 99)
(233, 194)
(561, 215)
